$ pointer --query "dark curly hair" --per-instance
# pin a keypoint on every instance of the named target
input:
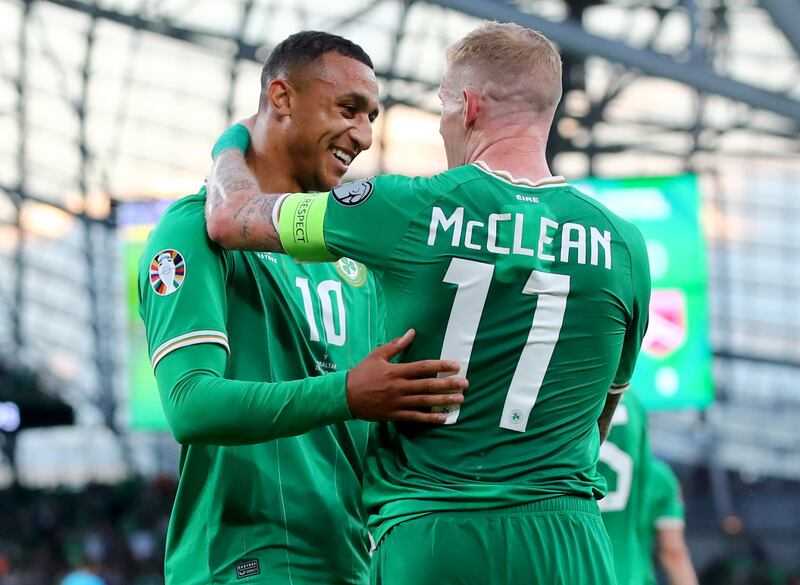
(307, 48)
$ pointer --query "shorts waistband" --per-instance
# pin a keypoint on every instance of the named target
(546, 506)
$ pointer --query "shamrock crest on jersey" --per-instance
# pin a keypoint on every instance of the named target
(351, 271)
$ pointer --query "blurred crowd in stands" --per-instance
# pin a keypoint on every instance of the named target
(114, 535)
(100, 535)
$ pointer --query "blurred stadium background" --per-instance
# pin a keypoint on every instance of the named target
(108, 108)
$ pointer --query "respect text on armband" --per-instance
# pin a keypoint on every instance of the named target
(300, 220)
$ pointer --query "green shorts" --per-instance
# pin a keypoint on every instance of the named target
(552, 542)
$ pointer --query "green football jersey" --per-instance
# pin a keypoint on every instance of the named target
(541, 294)
(663, 508)
(287, 510)
(625, 463)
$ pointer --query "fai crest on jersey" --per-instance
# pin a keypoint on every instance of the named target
(354, 193)
(351, 271)
(167, 271)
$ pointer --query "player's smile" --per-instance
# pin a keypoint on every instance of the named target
(343, 157)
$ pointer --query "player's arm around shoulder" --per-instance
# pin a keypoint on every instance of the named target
(362, 219)
(238, 214)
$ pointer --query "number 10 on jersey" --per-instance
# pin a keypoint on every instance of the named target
(473, 280)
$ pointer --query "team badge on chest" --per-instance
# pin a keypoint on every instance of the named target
(351, 271)
(167, 271)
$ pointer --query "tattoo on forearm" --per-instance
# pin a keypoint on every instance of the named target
(244, 213)
(231, 183)
(267, 205)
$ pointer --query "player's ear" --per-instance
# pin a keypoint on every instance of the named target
(279, 96)
(472, 106)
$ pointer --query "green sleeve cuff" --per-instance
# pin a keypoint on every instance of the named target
(237, 136)
(333, 395)
(301, 227)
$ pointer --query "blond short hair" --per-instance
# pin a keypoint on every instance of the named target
(510, 62)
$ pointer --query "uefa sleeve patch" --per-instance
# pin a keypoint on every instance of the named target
(353, 193)
(167, 271)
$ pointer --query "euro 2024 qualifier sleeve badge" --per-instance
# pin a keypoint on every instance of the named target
(167, 271)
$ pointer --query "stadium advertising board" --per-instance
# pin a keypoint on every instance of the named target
(144, 412)
(674, 368)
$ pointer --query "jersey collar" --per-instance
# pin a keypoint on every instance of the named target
(557, 181)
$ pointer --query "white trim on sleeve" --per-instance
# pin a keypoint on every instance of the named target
(669, 522)
(191, 338)
(276, 210)
(619, 388)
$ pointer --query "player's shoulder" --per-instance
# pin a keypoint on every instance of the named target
(402, 195)
(662, 473)
(440, 183)
(187, 213)
(625, 228)
(455, 178)
(182, 226)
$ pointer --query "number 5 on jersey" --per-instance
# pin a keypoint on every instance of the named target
(473, 280)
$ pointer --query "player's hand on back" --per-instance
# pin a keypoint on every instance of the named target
(378, 389)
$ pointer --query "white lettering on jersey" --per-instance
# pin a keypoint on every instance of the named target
(604, 241)
(518, 247)
(544, 239)
(455, 221)
(491, 244)
(576, 245)
(579, 244)
(468, 236)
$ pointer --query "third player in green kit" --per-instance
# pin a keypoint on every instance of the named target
(538, 291)
(643, 503)
(625, 463)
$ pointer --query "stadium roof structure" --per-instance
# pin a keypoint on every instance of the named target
(115, 100)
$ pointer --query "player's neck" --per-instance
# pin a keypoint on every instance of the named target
(523, 157)
(514, 141)
(270, 162)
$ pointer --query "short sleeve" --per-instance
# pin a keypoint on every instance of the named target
(181, 281)
(667, 508)
(363, 220)
(639, 308)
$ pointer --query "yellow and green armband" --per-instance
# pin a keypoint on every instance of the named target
(301, 227)
(237, 136)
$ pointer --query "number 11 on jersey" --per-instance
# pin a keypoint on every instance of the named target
(473, 280)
